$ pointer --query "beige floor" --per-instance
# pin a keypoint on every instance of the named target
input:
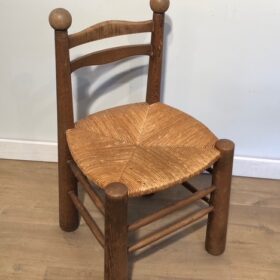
(33, 247)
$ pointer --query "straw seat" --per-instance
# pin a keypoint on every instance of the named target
(146, 147)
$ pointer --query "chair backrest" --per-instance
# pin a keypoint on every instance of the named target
(60, 19)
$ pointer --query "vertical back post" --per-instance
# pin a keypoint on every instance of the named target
(159, 7)
(60, 20)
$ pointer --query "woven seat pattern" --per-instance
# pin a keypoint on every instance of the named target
(146, 147)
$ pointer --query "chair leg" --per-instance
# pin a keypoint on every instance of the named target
(218, 219)
(116, 232)
(68, 214)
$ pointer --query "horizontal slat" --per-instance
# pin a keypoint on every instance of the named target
(169, 229)
(110, 55)
(86, 186)
(193, 189)
(88, 219)
(108, 29)
(170, 209)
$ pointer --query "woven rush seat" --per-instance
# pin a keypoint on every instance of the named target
(146, 147)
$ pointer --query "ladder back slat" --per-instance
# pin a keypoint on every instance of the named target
(108, 29)
(110, 55)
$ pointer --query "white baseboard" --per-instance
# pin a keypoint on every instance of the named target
(256, 167)
(47, 151)
(28, 150)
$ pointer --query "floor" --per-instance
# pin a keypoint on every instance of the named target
(33, 247)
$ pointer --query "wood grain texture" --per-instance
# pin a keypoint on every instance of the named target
(108, 29)
(88, 219)
(155, 63)
(60, 19)
(178, 205)
(218, 220)
(155, 236)
(33, 247)
(110, 55)
(193, 189)
(85, 184)
(159, 6)
(68, 215)
(116, 232)
(146, 147)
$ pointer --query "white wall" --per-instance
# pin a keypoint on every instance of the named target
(222, 66)
(227, 61)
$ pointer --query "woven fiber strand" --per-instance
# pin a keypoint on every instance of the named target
(146, 147)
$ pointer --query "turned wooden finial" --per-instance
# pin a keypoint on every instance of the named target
(60, 19)
(159, 6)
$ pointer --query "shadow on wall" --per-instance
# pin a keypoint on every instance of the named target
(86, 78)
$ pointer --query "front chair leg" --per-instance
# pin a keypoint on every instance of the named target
(116, 232)
(218, 219)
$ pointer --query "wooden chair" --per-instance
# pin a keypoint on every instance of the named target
(133, 150)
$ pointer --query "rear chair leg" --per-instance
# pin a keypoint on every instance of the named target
(68, 214)
(116, 232)
(218, 219)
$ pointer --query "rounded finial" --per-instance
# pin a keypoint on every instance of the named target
(60, 19)
(159, 6)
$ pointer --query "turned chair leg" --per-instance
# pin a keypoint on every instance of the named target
(218, 219)
(116, 232)
(68, 214)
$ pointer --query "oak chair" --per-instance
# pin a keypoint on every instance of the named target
(133, 150)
